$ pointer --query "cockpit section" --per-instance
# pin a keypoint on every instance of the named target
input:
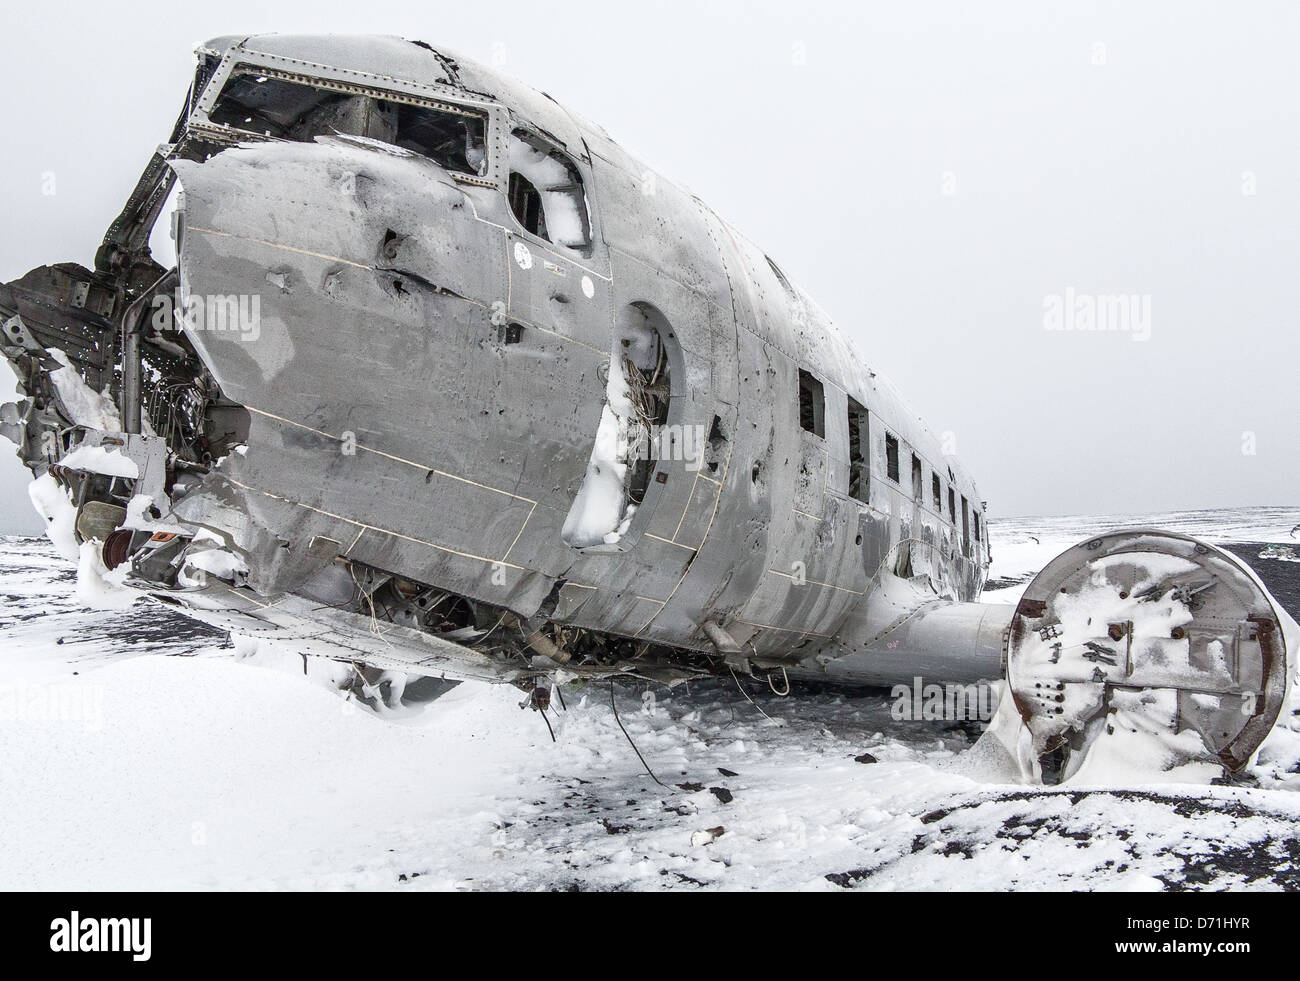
(262, 103)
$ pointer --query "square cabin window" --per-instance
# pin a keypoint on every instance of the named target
(859, 440)
(965, 527)
(812, 404)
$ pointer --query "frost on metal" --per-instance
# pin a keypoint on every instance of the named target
(444, 384)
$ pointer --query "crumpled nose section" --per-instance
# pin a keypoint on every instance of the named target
(279, 241)
(339, 294)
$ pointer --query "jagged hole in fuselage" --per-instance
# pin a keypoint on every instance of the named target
(633, 433)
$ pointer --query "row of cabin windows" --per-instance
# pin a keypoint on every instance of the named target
(812, 418)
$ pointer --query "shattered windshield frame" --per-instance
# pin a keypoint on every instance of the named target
(268, 104)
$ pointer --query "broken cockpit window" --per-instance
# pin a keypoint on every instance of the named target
(287, 107)
(546, 194)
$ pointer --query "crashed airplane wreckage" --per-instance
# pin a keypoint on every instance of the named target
(446, 383)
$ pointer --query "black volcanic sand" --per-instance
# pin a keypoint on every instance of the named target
(1280, 576)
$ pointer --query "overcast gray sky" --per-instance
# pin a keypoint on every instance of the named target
(931, 173)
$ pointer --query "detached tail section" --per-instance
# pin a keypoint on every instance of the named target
(1137, 653)
(1143, 649)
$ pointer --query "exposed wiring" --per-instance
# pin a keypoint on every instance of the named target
(632, 744)
(750, 700)
(375, 627)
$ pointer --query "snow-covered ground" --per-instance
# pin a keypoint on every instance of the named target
(140, 752)
(1022, 546)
